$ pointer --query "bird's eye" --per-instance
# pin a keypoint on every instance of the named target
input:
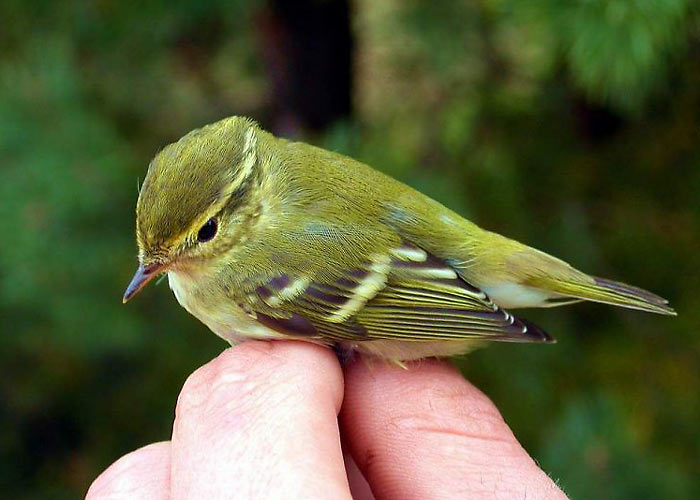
(207, 231)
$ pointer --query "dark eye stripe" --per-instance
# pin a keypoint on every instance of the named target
(239, 194)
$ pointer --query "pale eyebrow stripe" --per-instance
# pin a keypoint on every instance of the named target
(237, 185)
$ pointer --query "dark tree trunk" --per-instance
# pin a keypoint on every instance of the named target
(308, 48)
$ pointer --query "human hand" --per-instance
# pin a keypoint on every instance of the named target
(264, 420)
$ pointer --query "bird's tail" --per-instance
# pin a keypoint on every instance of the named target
(614, 293)
(537, 279)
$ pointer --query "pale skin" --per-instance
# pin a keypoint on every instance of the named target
(271, 420)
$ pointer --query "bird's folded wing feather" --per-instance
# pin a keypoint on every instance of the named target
(402, 294)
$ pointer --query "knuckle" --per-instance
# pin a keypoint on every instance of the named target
(253, 378)
(219, 382)
(464, 414)
(192, 392)
(234, 381)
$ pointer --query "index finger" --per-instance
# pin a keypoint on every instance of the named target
(260, 421)
(427, 433)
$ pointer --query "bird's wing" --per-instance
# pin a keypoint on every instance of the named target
(402, 294)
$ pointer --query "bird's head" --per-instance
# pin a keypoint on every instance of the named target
(196, 198)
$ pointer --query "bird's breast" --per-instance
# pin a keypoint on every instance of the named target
(221, 314)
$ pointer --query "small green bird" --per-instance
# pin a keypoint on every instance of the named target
(267, 238)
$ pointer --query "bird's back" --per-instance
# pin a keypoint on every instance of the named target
(513, 274)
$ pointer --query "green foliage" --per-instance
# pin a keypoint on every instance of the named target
(569, 125)
(600, 456)
(617, 51)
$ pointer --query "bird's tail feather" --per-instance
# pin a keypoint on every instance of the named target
(613, 293)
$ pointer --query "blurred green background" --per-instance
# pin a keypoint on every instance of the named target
(572, 126)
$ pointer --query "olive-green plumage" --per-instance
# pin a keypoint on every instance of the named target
(266, 238)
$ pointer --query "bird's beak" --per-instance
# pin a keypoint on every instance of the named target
(142, 276)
